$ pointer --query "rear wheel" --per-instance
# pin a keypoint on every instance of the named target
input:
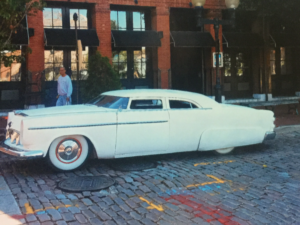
(223, 151)
(68, 152)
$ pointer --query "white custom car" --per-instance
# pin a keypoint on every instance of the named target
(137, 122)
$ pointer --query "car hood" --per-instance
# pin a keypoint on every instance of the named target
(61, 110)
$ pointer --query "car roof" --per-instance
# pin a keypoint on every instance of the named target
(203, 100)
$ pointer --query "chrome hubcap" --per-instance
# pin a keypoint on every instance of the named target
(68, 151)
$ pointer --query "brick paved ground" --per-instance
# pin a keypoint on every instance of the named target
(254, 185)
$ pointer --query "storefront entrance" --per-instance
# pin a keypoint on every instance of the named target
(134, 67)
(237, 73)
(186, 64)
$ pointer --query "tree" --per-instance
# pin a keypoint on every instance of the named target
(101, 77)
(12, 12)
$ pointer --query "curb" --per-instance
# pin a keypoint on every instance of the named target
(286, 129)
(10, 213)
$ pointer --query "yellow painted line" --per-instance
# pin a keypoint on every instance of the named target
(151, 205)
(207, 163)
(28, 208)
(201, 164)
(217, 181)
(258, 163)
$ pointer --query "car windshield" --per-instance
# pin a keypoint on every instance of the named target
(112, 102)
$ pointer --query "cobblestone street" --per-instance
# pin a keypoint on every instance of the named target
(254, 185)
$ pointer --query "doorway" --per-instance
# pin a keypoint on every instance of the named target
(237, 74)
(134, 67)
(186, 66)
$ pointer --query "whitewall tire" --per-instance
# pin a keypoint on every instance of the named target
(224, 150)
(68, 152)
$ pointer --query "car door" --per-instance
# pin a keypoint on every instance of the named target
(143, 128)
(187, 122)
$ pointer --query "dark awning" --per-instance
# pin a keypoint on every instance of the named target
(67, 38)
(21, 36)
(136, 38)
(286, 39)
(192, 39)
(242, 40)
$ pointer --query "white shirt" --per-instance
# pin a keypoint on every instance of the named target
(64, 86)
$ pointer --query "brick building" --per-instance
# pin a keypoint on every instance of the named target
(154, 44)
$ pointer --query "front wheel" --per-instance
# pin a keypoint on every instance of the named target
(224, 150)
(68, 152)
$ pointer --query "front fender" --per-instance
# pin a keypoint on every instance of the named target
(100, 128)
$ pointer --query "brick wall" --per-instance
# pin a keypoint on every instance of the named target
(35, 60)
(101, 21)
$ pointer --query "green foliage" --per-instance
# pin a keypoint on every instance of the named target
(101, 77)
(12, 12)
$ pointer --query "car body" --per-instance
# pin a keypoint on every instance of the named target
(127, 123)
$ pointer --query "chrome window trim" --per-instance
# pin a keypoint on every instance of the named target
(96, 125)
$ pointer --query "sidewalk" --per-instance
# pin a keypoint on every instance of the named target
(10, 213)
(285, 118)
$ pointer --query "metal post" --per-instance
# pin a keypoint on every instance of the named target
(199, 12)
(218, 91)
(75, 17)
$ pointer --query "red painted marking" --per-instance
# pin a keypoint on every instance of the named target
(204, 211)
(18, 217)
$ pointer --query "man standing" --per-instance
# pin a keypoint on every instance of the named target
(64, 88)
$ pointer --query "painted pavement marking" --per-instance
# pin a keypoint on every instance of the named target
(29, 209)
(203, 210)
(208, 163)
(217, 181)
(151, 205)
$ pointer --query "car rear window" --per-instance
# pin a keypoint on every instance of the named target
(146, 104)
(176, 104)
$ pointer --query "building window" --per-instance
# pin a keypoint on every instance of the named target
(139, 64)
(52, 17)
(119, 61)
(118, 20)
(285, 61)
(227, 64)
(53, 62)
(127, 20)
(240, 64)
(13, 72)
(82, 22)
(281, 61)
(273, 61)
(139, 21)
(83, 70)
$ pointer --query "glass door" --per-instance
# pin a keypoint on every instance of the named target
(131, 65)
(237, 79)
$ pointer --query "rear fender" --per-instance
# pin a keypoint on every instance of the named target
(217, 138)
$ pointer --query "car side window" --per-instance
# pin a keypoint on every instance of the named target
(146, 104)
(176, 104)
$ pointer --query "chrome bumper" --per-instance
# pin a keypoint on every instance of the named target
(19, 152)
(270, 135)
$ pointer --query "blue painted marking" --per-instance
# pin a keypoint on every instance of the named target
(40, 212)
(284, 174)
